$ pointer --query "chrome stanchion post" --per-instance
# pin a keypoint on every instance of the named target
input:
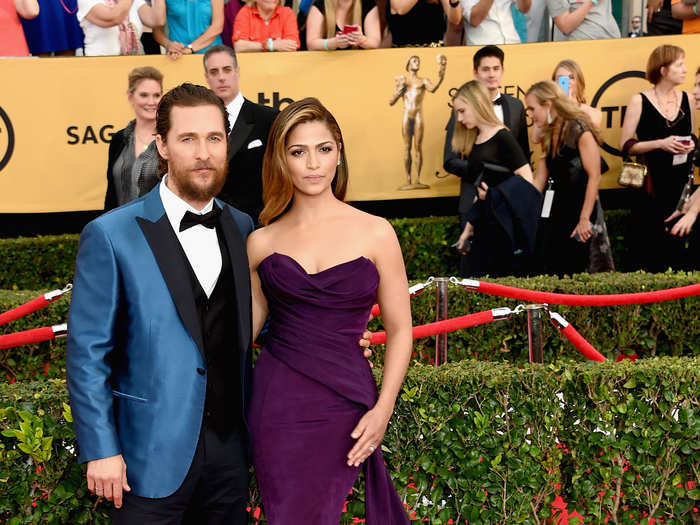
(441, 315)
(534, 332)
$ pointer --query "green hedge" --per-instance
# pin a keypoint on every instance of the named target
(658, 329)
(34, 263)
(484, 442)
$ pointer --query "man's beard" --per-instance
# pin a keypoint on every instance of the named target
(190, 190)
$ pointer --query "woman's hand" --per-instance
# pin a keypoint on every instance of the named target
(466, 234)
(673, 145)
(481, 190)
(369, 433)
(175, 49)
(684, 224)
(342, 41)
(583, 229)
(356, 38)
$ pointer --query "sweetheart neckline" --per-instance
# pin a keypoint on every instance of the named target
(322, 271)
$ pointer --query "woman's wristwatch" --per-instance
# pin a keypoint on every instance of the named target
(189, 46)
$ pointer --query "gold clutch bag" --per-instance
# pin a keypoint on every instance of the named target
(632, 175)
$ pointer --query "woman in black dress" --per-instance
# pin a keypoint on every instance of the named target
(421, 22)
(132, 165)
(343, 24)
(501, 224)
(662, 120)
(569, 174)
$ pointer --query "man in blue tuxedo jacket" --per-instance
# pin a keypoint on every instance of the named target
(158, 356)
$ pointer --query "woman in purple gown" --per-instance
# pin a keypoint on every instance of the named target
(317, 267)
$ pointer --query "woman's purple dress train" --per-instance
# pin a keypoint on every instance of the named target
(311, 387)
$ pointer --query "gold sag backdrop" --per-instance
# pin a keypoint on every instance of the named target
(63, 111)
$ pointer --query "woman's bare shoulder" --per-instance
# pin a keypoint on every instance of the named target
(260, 244)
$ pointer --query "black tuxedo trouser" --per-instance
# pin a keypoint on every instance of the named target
(214, 492)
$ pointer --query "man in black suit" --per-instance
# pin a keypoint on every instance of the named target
(488, 69)
(249, 127)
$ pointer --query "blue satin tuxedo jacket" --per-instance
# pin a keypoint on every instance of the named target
(135, 342)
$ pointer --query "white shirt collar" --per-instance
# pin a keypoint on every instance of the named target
(234, 109)
(175, 207)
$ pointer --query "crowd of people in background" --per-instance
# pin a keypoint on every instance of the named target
(180, 27)
(514, 224)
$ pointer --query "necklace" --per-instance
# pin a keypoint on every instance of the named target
(668, 107)
(143, 143)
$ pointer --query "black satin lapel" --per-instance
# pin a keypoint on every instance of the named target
(241, 275)
(506, 113)
(164, 244)
(241, 130)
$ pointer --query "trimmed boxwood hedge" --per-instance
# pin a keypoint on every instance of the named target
(484, 442)
(35, 263)
(658, 329)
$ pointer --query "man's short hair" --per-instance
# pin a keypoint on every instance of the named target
(488, 51)
(219, 48)
(184, 95)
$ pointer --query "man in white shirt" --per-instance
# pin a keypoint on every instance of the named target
(249, 127)
(491, 21)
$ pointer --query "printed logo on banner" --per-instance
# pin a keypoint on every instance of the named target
(611, 98)
(7, 139)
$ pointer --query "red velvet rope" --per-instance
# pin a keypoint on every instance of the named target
(588, 300)
(440, 327)
(24, 309)
(36, 335)
(581, 344)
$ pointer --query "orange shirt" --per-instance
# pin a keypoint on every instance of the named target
(249, 25)
(690, 25)
(12, 42)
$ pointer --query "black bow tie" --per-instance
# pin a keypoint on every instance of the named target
(498, 101)
(209, 220)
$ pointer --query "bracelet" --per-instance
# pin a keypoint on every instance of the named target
(325, 44)
(270, 45)
(695, 9)
(595, 2)
(454, 4)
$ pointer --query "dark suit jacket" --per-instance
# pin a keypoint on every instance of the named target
(513, 118)
(247, 142)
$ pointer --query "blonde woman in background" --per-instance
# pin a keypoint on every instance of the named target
(570, 168)
(341, 24)
(501, 225)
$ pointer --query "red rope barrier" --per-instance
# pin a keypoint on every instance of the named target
(581, 344)
(33, 305)
(587, 300)
(440, 327)
(35, 335)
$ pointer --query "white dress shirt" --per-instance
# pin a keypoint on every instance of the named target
(200, 243)
(498, 108)
(233, 110)
(496, 28)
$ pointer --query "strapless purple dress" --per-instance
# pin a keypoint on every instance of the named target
(311, 386)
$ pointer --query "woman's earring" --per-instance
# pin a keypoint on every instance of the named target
(338, 161)
(549, 117)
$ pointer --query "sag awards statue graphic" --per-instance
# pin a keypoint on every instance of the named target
(412, 89)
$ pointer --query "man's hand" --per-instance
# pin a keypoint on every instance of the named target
(106, 478)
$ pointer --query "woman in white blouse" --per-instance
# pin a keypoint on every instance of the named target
(114, 27)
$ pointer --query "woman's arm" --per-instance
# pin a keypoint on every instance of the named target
(153, 15)
(396, 315)
(629, 129)
(108, 16)
(454, 14)
(214, 29)
(256, 254)
(541, 175)
(314, 31)
(27, 9)
(590, 158)
(174, 49)
(525, 171)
